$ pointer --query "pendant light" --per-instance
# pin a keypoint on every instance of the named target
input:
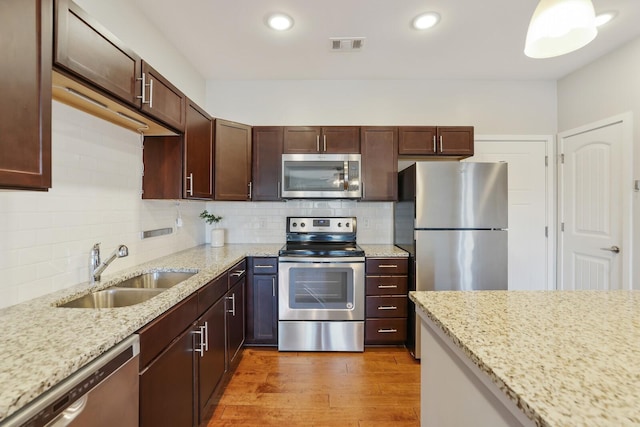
(560, 26)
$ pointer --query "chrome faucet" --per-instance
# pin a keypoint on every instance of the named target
(96, 267)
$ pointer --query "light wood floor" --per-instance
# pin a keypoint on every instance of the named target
(380, 387)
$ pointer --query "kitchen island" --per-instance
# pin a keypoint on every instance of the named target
(42, 344)
(546, 358)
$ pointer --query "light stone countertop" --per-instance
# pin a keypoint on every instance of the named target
(41, 344)
(565, 358)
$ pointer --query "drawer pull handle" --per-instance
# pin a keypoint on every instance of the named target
(263, 266)
(388, 266)
(237, 273)
(387, 331)
(387, 286)
(387, 307)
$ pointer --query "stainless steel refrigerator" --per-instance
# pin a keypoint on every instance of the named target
(452, 219)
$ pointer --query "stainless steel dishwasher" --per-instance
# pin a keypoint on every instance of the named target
(103, 393)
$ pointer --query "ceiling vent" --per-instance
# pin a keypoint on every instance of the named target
(347, 44)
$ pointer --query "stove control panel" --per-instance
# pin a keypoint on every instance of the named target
(321, 225)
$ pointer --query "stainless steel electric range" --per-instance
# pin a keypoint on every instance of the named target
(321, 286)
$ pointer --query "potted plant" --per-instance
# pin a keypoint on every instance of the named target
(217, 234)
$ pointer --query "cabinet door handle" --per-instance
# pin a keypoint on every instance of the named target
(250, 188)
(190, 186)
(233, 305)
(278, 190)
(237, 273)
(387, 307)
(150, 93)
(318, 143)
(273, 286)
(144, 89)
(206, 336)
(324, 139)
(388, 266)
(434, 143)
(200, 350)
(387, 286)
(441, 143)
(387, 331)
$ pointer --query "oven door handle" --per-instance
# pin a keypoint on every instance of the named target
(317, 260)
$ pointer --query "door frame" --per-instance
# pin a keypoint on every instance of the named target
(626, 119)
(550, 185)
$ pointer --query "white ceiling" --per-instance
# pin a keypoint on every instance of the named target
(475, 39)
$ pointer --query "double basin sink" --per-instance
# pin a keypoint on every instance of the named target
(134, 290)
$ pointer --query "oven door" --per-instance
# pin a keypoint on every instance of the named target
(321, 288)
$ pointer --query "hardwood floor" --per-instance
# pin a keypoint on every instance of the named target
(380, 387)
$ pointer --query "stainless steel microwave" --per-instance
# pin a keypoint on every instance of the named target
(321, 176)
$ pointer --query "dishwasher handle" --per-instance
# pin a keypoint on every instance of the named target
(70, 413)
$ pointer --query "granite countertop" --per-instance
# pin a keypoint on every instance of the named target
(564, 357)
(43, 344)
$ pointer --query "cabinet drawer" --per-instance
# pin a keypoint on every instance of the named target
(159, 333)
(387, 266)
(385, 331)
(386, 306)
(237, 273)
(211, 292)
(260, 265)
(387, 285)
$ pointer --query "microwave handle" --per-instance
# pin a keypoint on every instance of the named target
(346, 175)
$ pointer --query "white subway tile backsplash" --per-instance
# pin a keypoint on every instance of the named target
(45, 237)
(265, 222)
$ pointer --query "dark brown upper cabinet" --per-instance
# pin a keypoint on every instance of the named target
(436, 141)
(25, 104)
(88, 52)
(330, 139)
(267, 162)
(379, 163)
(198, 154)
(232, 161)
(161, 99)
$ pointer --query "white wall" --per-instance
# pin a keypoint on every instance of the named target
(605, 88)
(493, 107)
(130, 25)
(45, 237)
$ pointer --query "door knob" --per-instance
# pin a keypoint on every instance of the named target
(613, 249)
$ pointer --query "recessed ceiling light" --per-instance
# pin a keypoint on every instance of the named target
(604, 17)
(279, 21)
(425, 20)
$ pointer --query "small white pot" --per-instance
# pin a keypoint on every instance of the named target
(217, 237)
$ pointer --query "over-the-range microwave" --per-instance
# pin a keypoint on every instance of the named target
(321, 176)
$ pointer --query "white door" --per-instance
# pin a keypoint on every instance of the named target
(591, 207)
(530, 206)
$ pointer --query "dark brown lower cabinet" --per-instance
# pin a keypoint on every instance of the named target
(188, 354)
(211, 364)
(166, 386)
(262, 301)
(235, 320)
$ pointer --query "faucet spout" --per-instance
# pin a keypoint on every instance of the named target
(97, 267)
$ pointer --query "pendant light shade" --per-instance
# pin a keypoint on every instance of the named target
(560, 26)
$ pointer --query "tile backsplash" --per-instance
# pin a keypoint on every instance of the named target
(45, 237)
(265, 222)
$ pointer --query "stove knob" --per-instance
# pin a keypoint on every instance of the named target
(339, 224)
(302, 224)
(294, 225)
(347, 225)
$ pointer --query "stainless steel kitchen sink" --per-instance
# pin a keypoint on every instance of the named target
(155, 280)
(113, 297)
(134, 290)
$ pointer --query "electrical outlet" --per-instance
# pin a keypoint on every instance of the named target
(365, 223)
